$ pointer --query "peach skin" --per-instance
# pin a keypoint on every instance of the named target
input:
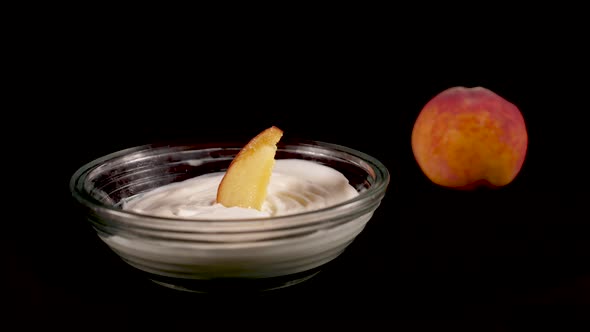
(465, 138)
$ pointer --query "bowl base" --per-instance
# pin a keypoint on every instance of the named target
(233, 286)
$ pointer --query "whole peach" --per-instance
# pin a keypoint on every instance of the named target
(465, 137)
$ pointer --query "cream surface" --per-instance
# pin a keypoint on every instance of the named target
(295, 186)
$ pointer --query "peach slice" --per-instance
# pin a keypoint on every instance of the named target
(246, 179)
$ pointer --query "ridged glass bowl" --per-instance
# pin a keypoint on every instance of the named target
(223, 255)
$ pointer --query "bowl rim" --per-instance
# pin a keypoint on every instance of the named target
(381, 174)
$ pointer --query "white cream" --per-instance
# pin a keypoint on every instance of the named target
(295, 186)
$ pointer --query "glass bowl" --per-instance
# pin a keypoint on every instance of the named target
(223, 255)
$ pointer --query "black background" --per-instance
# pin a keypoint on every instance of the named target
(504, 259)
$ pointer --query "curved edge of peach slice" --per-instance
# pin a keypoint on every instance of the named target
(246, 180)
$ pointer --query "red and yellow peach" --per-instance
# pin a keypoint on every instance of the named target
(469, 137)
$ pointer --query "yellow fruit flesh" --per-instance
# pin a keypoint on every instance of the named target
(246, 180)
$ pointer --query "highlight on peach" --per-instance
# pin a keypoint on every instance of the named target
(467, 137)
